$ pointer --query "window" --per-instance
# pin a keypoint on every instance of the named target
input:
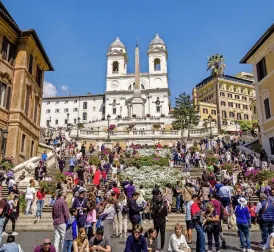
(244, 98)
(213, 112)
(231, 114)
(75, 109)
(66, 121)
(222, 94)
(239, 116)
(85, 115)
(115, 67)
(238, 105)
(235, 90)
(23, 143)
(27, 101)
(254, 110)
(230, 104)
(56, 122)
(261, 69)
(237, 97)
(114, 111)
(35, 111)
(66, 110)
(267, 108)
(205, 111)
(271, 142)
(222, 103)
(66, 102)
(158, 109)
(85, 105)
(251, 99)
(74, 121)
(56, 110)
(157, 65)
(244, 106)
(229, 95)
(47, 111)
(8, 51)
(57, 102)
(38, 76)
(32, 148)
(245, 116)
(93, 108)
(30, 63)
(75, 101)
(4, 95)
(223, 114)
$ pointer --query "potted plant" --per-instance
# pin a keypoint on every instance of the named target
(162, 115)
(112, 127)
(134, 115)
(156, 126)
(147, 115)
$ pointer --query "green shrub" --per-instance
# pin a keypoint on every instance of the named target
(49, 186)
(228, 167)
(147, 161)
(59, 177)
(264, 175)
(211, 159)
(94, 160)
(194, 148)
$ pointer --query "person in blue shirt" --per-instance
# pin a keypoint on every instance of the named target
(72, 163)
(136, 242)
(44, 157)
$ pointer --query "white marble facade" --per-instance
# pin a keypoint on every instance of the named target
(119, 89)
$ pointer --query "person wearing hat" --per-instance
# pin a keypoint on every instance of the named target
(243, 221)
(265, 212)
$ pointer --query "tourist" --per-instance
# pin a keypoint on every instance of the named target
(211, 226)
(11, 245)
(187, 191)
(178, 195)
(13, 201)
(269, 246)
(225, 193)
(265, 212)
(159, 213)
(136, 242)
(189, 222)
(40, 195)
(108, 217)
(122, 201)
(60, 215)
(11, 184)
(45, 247)
(96, 177)
(177, 241)
(81, 244)
(61, 164)
(71, 230)
(152, 240)
(134, 210)
(168, 196)
(30, 196)
(44, 157)
(243, 223)
(99, 242)
(72, 163)
(196, 215)
(80, 203)
(16, 194)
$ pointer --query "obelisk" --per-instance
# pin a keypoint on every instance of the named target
(137, 101)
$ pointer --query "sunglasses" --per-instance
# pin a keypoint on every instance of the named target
(47, 243)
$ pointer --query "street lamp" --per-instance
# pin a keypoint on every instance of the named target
(188, 126)
(5, 133)
(210, 120)
(78, 126)
(108, 118)
(67, 120)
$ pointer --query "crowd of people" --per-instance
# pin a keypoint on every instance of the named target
(92, 207)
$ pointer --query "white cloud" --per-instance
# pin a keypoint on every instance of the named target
(64, 88)
(49, 90)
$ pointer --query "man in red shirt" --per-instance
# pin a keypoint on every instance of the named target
(196, 214)
(116, 190)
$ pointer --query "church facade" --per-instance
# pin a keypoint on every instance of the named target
(127, 95)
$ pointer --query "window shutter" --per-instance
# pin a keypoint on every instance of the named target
(5, 48)
(12, 54)
(267, 108)
(8, 97)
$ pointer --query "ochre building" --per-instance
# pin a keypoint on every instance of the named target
(261, 56)
(23, 61)
(227, 95)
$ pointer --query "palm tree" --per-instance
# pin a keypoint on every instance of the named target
(217, 66)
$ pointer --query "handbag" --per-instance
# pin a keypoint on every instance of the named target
(208, 227)
(99, 223)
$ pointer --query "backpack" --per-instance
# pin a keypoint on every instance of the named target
(7, 209)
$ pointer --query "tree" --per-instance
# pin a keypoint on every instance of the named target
(184, 107)
(245, 125)
(217, 66)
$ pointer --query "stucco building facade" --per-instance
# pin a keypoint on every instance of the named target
(261, 56)
(22, 64)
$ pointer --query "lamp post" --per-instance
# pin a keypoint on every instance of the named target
(67, 120)
(210, 120)
(5, 133)
(188, 126)
(108, 118)
(78, 126)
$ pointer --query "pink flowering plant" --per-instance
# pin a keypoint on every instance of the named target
(112, 127)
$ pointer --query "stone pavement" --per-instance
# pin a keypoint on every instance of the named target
(28, 240)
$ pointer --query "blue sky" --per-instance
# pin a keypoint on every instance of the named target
(77, 34)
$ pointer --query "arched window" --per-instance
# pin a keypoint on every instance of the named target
(222, 94)
(205, 111)
(114, 111)
(245, 116)
(85, 105)
(115, 67)
(223, 114)
(231, 114)
(157, 65)
(239, 116)
(85, 116)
